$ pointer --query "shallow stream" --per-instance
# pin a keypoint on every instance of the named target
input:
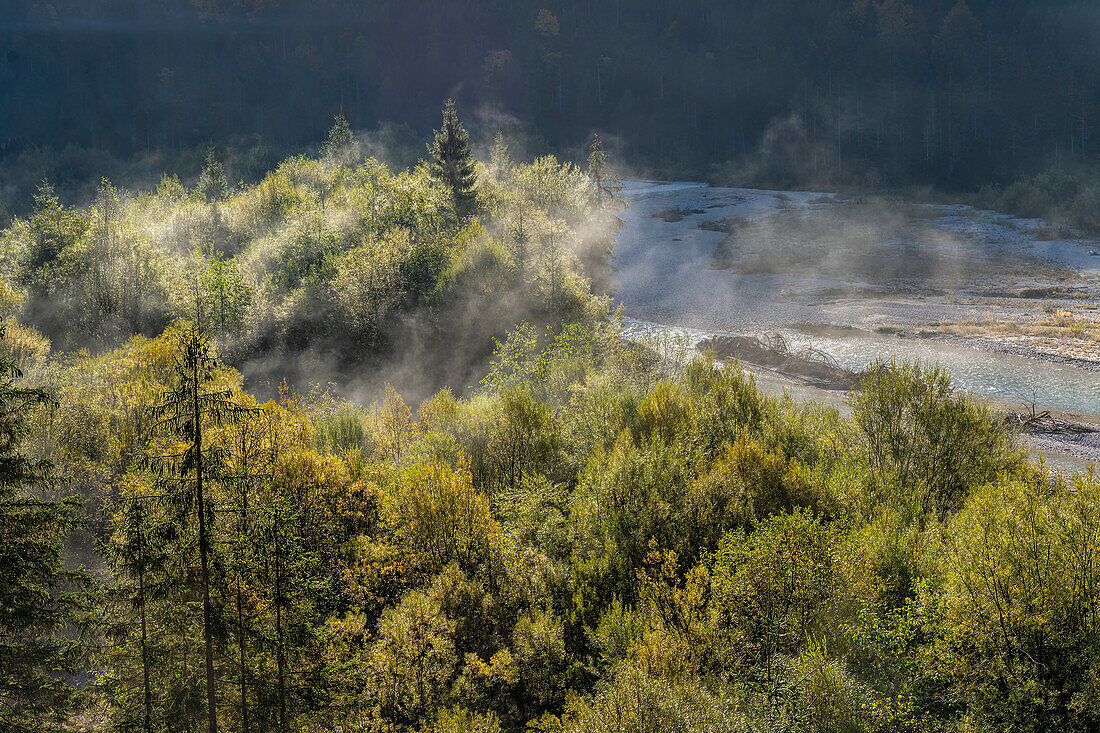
(998, 376)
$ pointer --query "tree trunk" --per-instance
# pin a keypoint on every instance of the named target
(280, 657)
(241, 646)
(204, 551)
(240, 612)
(147, 724)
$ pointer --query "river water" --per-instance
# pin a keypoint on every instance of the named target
(666, 278)
(1002, 377)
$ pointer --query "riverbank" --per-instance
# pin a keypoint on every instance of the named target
(1012, 315)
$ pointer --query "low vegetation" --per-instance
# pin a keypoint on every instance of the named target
(586, 542)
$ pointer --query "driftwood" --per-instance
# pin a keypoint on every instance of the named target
(1043, 422)
(773, 351)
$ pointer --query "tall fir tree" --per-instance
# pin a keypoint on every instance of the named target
(605, 204)
(40, 601)
(340, 144)
(212, 182)
(453, 161)
(607, 185)
(199, 402)
(500, 161)
(137, 673)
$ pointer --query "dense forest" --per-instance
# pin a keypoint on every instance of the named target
(315, 416)
(328, 264)
(955, 94)
(584, 534)
(586, 542)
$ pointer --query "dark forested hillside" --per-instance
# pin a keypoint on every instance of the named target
(940, 92)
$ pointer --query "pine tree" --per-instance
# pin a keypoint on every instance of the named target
(500, 162)
(249, 468)
(340, 143)
(607, 185)
(140, 550)
(39, 598)
(212, 182)
(453, 162)
(196, 403)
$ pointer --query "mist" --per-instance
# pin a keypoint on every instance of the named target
(569, 366)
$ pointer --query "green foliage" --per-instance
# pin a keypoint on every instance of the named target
(339, 147)
(414, 657)
(337, 253)
(40, 599)
(212, 185)
(215, 295)
(452, 161)
(460, 720)
(1021, 638)
(441, 516)
(772, 588)
(926, 446)
(635, 702)
(590, 540)
(54, 229)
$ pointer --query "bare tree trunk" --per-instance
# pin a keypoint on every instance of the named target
(241, 643)
(241, 646)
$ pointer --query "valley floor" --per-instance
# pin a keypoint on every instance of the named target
(1011, 312)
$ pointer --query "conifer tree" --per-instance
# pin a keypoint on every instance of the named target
(606, 204)
(212, 182)
(196, 403)
(338, 147)
(453, 161)
(39, 598)
(607, 185)
(500, 161)
(140, 549)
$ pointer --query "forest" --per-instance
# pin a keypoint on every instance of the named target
(318, 411)
(547, 528)
(957, 95)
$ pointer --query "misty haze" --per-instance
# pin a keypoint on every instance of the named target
(570, 366)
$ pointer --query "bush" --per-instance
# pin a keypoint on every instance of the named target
(1022, 575)
(1025, 199)
(927, 447)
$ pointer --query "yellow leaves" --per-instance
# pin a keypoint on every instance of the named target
(664, 412)
(547, 24)
(311, 477)
(374, 569)
(1021, 570)
(440, 515)
(25, 346)
(392, 426)
(484, 678)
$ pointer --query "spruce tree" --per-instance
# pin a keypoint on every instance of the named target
(340, 141)
(607, 185)
(453, 161)
(606, 204)
(500, 162)
(39, 598)
(141, 549)
(212, 182)
(197, 403)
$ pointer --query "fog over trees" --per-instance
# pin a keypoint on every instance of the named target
(318, 413)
